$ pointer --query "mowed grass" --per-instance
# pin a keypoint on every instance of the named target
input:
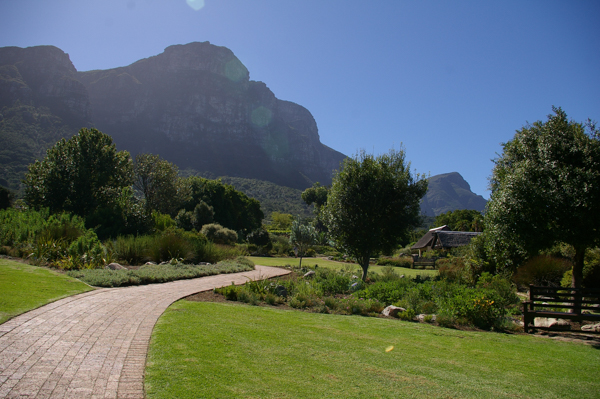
(221, 350)
(24, 287)
(268, 261)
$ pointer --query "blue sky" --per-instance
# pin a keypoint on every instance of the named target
(448, 80)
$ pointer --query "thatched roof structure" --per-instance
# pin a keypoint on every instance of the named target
(443, 238)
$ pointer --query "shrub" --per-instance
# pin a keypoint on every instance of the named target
(407, 315)
(172, 243)
(386, 292)
(281, 246)
(398, 262)
(332, 282)
(359, 306)
(219, 234)
(591, 270)
(542, 270)
(161, 221)
(133, 250)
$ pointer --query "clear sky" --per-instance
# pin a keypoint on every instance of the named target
(448, 80)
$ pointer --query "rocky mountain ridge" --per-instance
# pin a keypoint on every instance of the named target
(193, 104)
(449, 192)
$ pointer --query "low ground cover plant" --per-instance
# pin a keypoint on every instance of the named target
(152, 274)
(484, 305)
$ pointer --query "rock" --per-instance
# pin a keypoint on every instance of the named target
(115, 266)
(354, 277)
(164, 263)
(281, 291)
(392, 311)
(558, 324)
(150, 263)
(310, 273)
(591, 327)
(402, 276)
(422, 316)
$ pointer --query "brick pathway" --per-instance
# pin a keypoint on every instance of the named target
(93, 345)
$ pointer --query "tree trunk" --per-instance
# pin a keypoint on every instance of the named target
(578, 268)
(577, 280)
(364, 263)
(300, 265)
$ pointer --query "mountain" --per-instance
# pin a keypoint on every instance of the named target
(193, 104)
(41, 101)
(449, 192)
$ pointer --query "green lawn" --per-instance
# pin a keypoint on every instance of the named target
(24, 287)
(268, 261)
(222, 350)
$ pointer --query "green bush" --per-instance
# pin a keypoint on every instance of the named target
(162, 221)
(405, 262)
(281, 246)
(542, 270)
(359, 306)
(219, 234)
(386, 292)
(132, 250)
(591, 270)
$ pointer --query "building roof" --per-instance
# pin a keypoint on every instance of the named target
(427, 239)
(443, 238)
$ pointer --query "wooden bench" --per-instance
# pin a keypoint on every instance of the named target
(561, 303)
(419, 262)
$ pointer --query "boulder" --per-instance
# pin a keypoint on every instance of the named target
(591, 327)
(392, 311)
(558, 324)
(281, 291)
(309, 274)
(115, 266)
(422, 316)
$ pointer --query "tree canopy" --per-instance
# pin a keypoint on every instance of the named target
(545, 190)
(86, 176)
(232, 209)
(461, 220)
(78, 175)
(158, 182)
(302, 236)
(373, 204)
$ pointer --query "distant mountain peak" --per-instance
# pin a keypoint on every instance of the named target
(450, 192)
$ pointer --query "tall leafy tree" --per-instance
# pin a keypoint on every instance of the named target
(232, 209)
(373, 204)
(302, 236)
(158, 181)
(545, 190)
(79, 175)
(461, 220)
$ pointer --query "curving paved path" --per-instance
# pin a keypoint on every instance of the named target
(94, 345)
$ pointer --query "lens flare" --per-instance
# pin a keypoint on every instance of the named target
(261, 116)
(235, 70)
(195, 4)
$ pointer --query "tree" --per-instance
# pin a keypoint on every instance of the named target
(373, 204)
(545, 190)
(302, 236)
(79, 175)
(461, 220)
(232, 209)
(317, 195)
(158, 182)
(281, 221)
(6, 198)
